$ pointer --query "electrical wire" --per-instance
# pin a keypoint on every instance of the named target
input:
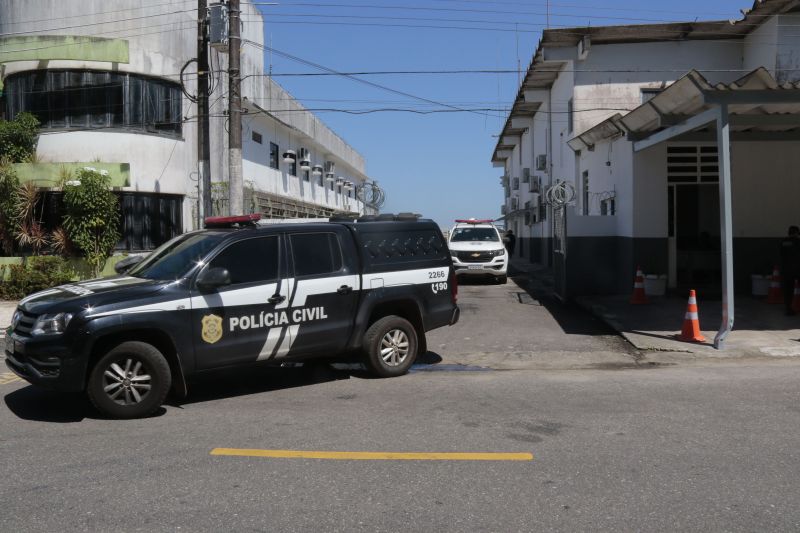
(95, 23)
(350, 77)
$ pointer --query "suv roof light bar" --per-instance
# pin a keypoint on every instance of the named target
(474, 221)
(232, 222)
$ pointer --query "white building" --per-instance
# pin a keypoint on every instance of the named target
(620, 117)
(103, 77)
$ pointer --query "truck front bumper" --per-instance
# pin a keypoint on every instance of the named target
(45, 363)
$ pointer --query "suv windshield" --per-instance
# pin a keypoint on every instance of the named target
(175, 258)
(474, 234)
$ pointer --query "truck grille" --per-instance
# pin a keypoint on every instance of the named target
(25, 323)
(470, 257)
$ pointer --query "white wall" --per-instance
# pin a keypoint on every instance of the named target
(765, 188)
(761, 47)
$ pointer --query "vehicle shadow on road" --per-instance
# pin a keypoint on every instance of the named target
(39, 405)
(33, 403)
(255, 380)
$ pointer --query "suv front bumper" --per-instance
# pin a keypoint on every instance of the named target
(497, 267)
(45, 363)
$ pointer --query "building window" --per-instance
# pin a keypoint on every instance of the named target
(306, 175)
(570, 116)
(293, 168)
(648, 94)
(585, 192)
(147, 220)
(84, 99)
(273, 156)
(257, 137)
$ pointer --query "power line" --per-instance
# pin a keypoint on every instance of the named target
(84, 15)
(349, 76)
(467, 10)
(45, 30)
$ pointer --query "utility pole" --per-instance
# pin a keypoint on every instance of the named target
(203, 137)
(235, 185)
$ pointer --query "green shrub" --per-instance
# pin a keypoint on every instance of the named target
(18, 137)
(38, 273)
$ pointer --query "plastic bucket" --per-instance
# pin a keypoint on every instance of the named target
(760, 284)
(655, 285)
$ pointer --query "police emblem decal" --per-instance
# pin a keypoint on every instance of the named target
(212, 328)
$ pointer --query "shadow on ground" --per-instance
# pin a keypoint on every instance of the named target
(36, 404)
(573, 319)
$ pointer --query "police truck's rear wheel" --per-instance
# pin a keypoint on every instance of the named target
(130, 381)
(390, 346)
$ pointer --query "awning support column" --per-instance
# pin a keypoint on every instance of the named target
(726, 224)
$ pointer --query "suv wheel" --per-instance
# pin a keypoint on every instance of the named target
(130, 381)
(390, 346)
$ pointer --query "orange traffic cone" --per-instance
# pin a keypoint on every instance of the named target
(796, 299)
(638, 296)
(774, 296)
(691, 322)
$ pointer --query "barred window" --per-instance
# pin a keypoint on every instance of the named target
(85, 99)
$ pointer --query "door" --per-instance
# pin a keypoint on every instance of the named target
(695, 236)
(324, 291)
(248, 319)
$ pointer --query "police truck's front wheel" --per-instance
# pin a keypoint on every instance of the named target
(390, 346)
(130, 381)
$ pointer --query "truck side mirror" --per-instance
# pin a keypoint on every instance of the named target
(213, 278)
(128, 263)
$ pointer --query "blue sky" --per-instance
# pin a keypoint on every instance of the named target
(435, 164)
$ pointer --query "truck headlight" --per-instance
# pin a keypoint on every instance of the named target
(51, 324)
(497, 253)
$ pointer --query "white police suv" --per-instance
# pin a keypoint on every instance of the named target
(477, 249)
(234, 294)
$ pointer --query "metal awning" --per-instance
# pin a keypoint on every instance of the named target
(755, 107)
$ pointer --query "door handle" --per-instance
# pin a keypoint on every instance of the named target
(345, 289)
(276, 298)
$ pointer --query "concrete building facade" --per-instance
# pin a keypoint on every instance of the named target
(571, 137)
(104, 79)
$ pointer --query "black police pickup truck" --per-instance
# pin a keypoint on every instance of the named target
(236, 293)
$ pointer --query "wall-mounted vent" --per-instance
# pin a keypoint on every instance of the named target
(541, 162)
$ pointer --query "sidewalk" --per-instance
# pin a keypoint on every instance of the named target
(7, 308)
(759, 330)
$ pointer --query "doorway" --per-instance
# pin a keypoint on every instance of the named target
(694, 236)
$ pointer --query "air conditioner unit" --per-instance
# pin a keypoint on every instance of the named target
(526, 175)
(536, 184)
(541, 162)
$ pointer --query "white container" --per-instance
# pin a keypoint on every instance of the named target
(655, 285)
(760, 284)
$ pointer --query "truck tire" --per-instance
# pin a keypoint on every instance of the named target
(130, 381)
(390, 346)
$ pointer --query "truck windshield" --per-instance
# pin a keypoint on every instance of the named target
(177, 257)
(474, 234)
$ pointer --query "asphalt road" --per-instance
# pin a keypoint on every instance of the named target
(615, 447)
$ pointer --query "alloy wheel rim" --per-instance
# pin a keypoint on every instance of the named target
(126, 383)
(394, 347)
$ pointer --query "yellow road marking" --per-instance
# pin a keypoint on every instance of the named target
(8, 377)
(385, 456)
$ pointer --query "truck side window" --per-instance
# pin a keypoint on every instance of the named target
(316, 253)
(250, 260)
